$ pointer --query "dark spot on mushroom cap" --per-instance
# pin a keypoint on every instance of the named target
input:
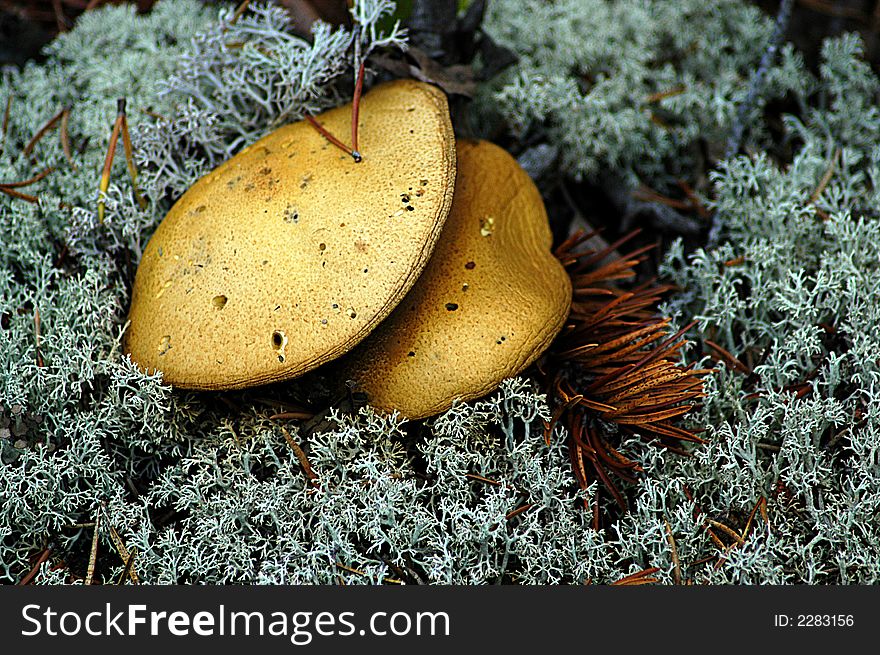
(470, 266)
(451, 306)
(219, 302)
(277, 339)
(411, 354)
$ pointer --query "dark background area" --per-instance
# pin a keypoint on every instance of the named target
(27, 25)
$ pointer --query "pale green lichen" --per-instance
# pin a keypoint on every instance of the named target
(206, 486)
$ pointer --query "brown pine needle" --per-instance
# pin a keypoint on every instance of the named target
(129, 161)
(28, 149)
(730, 532)
(65, 137)
(826, 178)
(243, 7)
(518, 511)
(93, 555)
(26, 580)
(617, 355)
(355, 112)
(292, 416)
(153, 114)
(676, 565)
(37, 337)
(349, 569)
(301, 456)
(640, 578)
(662, 95)
(352, 152)
(19, 195)
(129, 569)
(696, 202)
(720, 544)
(761, 506)
(359, 572)
(6, 121)
(33, 180)
(480, 478)
(557, 414)
(108, 160)
(649, 195)
(60, 22)
(119, 544)
(332, 139)
(728, 358)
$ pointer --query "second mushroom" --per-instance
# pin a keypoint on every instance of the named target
(487, 305)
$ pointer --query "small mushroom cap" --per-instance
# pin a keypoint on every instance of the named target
(290, 253)
(490, 301)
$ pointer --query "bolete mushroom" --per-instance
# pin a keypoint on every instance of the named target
(290, 253)
(489, 302)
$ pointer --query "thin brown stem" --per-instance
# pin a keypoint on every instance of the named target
(332, 139)
(129, 569)
(243, 7)
(301, 456)
(826, 178)
(6, 121)
(355, 112)
(37, 337)
(129, 161)
(65, 137)
(480, 478)
(19, 195)
(36, 178)
(518, 511)
(29, 148)
(93, 555)
(119, 544)
(26, 580)
(676, 565)
(108, 160)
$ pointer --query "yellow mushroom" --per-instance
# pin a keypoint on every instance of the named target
(490, 301)
(290, 253)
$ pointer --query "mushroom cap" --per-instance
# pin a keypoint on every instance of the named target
(489, 302)
(290, 253)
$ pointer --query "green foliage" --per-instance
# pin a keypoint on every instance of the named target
(205, 485)
(588, 68)
(804, 304)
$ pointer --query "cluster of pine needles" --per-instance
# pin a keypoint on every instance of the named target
(615, 369)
